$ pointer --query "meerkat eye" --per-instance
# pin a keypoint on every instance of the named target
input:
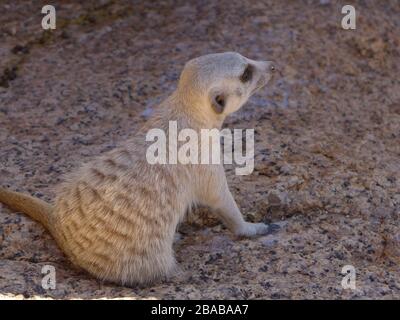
(247, 74)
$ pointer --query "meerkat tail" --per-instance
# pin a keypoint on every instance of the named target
(37, 209)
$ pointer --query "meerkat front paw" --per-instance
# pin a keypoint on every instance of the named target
(252, 229)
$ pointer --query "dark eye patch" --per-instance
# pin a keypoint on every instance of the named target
(247, 73)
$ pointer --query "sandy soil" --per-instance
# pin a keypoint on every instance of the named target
(327, 168)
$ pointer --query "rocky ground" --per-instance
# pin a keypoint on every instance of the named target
(327, 169)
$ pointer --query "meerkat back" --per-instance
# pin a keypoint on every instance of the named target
(116, 217)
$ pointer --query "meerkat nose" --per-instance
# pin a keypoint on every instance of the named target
(270, 66)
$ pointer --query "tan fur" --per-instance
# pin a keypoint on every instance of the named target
(38, 209)
(117, 215)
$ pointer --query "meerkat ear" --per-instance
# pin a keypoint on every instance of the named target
(218, 102)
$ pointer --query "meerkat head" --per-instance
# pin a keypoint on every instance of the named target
(223, 82)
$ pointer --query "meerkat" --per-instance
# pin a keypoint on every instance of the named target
(116, 216)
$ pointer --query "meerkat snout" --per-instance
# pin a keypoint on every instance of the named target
(267, 69)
